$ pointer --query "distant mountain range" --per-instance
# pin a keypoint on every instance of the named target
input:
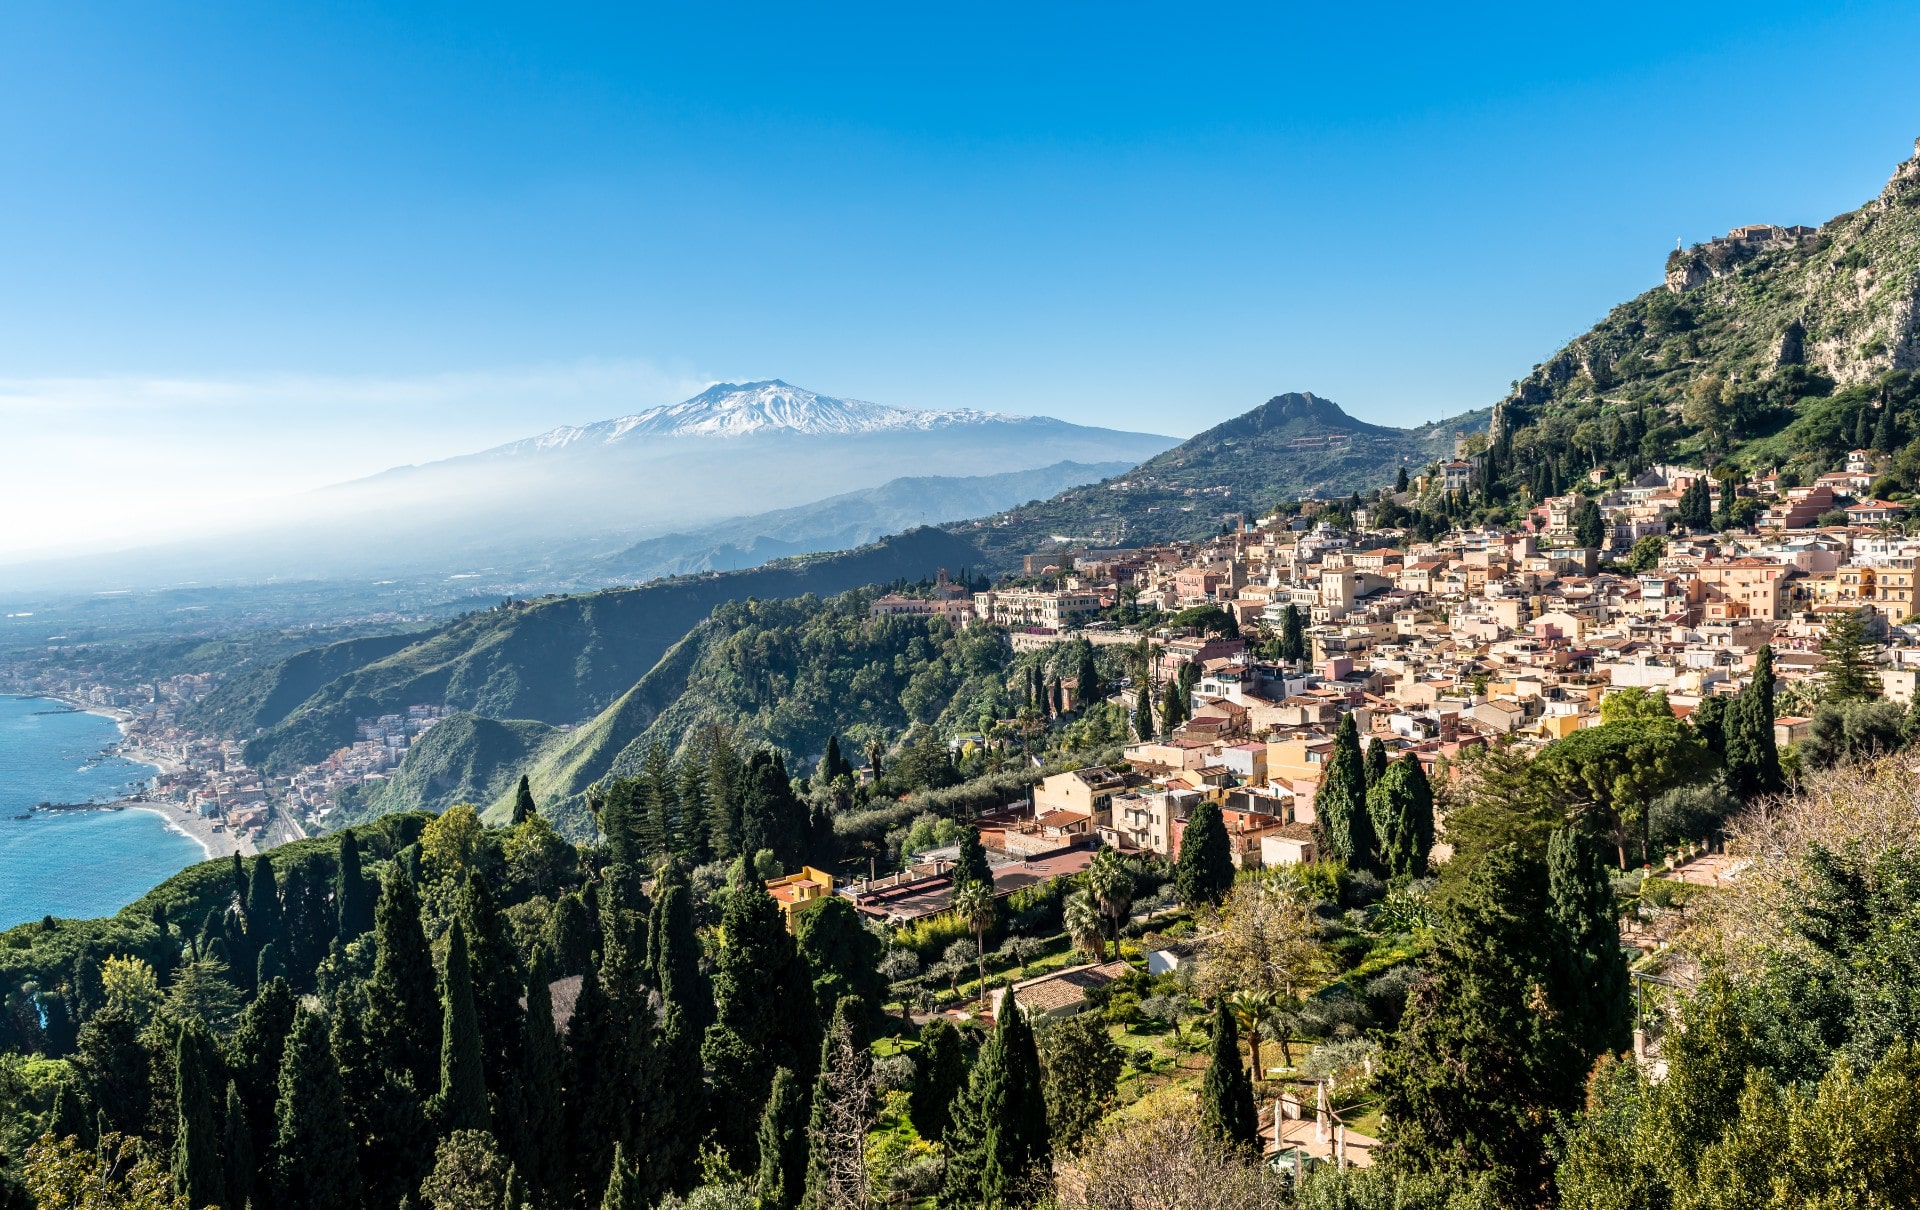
(553, 508)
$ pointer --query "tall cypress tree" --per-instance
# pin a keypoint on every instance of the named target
(497, 983)
(197, 1173)
(1203, 873)
(541, 1121)
(237, 1174)
(1376, 753)
(998, 1147)
(523, 808)
(1340, 805)
(1087, 688)
(314, 1167)
(970, 864)
(403, 1008)
(1590, 984)
(687, 1009)
(1226, 1093)
(1143, 710)
(939, 1077)
(265, 925)
(1293, 635)
(782, 1143)
(843, 1091)
(393, 1137)
(1400, 805)
(462, 1100)
(696, 830)
(760, 1024)
(623, 1184)
(1753, 759)
(352, 901)
(259, 1046)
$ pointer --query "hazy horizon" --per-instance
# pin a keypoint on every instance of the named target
(257, 252)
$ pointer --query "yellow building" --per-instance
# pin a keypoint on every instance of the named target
(796, 892)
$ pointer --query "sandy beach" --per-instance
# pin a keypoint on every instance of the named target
(183, 819)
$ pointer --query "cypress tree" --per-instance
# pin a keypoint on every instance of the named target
(265, 926)
(940, 1075)
(1591, 969)
(844, 1087)
(570, 939)
(1088, 688)
(589, 1039)
(834, 765)
(970, 864)
(197, 1174)
(623, 1184)
(541, 1122)
(1883, 438)
(1752, 757)
(1293, 635)
(403, 1008)
(388, 1114)
(462, 1100)
(268, 966)
(314, 1165)
(1400, 806)
(236, 1150)
(770, 816)
(696, 821)
(1226, 1093)
(353, 902)
(1376, 753)
(759, 1024)
(237, 884)
(998, 1147)
(782, 1143)
(1143, 710)
(523, 808)
(494, 963)
(259, 1045)
(1340, 806)
(1203, 873)
(1173, 706)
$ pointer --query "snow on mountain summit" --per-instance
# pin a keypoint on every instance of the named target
(729, 409)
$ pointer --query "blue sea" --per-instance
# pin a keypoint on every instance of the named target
(75, 863)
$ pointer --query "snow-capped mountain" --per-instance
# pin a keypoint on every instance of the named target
(729, 409)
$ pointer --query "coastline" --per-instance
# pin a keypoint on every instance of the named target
(181, 819)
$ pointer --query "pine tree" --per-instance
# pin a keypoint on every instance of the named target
(1752, 756)
(940, 1076)
(403, 1006)
(523, 808)
(696, 820)
(723, 794)
(353, 902)
(1591, 974)
(759, 1024)
(237, 1175)
(1226, 1093)
(998, 1148)
(782, 1143)
(1203, 873)
(1846, 665)
(1340, 805)
(1143, 710)
(197, 1173)
(1400, 807)
(314, 1165)
(462, 1101)
(541, 1121)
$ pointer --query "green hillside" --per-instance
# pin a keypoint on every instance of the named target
(564, 659)
(1780, 353)
(263, 695)
(465, 758)
(1292, 447)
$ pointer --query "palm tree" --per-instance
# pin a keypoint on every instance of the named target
(973, 903)
(1111, 884)
(1083, 924)
(1249, 1009)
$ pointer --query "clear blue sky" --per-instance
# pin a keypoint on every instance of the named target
(249, 228)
